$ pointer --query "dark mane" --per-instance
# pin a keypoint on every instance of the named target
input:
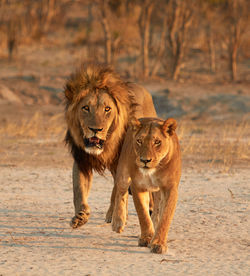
(92, 77)
(84, 160)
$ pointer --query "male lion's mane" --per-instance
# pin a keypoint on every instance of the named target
(91, 78)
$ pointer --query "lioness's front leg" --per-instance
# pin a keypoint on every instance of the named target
(81, 188)
(141, 201)
(109, 213)
(120, 211)
(167, 209)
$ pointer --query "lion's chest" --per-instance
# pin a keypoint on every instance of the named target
(148, 182)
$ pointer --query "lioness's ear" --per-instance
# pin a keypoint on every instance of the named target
(169, 126)
(134, 123)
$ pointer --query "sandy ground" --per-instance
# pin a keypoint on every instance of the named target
(209, 234)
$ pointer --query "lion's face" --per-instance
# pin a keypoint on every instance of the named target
(98, 107)
(96, 114)
(152, 142)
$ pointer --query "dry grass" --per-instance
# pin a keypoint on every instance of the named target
(38, 126)
(221, 145)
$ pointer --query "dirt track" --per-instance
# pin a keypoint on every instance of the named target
(209, 233)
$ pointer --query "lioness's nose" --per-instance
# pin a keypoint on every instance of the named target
(145, 161)
(95, 130)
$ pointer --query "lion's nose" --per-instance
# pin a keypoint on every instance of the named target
(145, 161)
(95, 130)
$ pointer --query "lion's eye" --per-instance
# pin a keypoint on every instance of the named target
(139, 141)
(85, 107)
(157, 142)
(107, 109)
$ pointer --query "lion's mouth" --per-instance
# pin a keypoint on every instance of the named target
(94, 142)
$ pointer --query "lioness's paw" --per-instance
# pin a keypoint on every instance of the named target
(144, 242)
(158, 249)
(118, 225)
(79, 219)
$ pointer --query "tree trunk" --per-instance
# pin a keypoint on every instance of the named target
(177, 60)
(91, 49)
(107, 33)
(183, 15)
(211, 51)
(233, 62)
(11, 38)
(50, 13)
(144, 24)
(161, 47)
(173, 39)
(233, 51)
(174, 27)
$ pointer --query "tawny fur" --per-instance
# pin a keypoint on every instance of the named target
(128, 99)
(151, 161)
(90, 79)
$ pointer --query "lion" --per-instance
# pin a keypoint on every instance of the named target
(99, 105)
(150, 161)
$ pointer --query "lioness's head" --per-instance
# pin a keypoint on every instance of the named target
(97, 108)
(152, 141)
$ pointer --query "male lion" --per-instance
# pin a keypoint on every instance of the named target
(151, 161)
(98, 107)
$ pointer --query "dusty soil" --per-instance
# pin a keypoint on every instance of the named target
(209, 233)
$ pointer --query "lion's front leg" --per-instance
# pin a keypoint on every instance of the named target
(122, 182)
(168, 205)
(81, 188)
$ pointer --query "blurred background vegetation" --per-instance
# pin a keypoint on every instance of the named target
(161, 39)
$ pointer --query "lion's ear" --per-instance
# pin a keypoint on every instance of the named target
(169, 126)
(68, 94)
(134, 123)
(68, 91)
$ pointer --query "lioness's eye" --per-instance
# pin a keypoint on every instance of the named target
(86, 107)
(107, 108)
(139, 141)
(157, 142)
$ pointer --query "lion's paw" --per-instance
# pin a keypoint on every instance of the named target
(144, 242)
(78, 220)
(158, 249)
(108, 219)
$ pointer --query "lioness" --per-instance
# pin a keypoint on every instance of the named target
(99, 105)
(151, 161)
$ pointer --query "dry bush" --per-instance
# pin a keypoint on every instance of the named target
(27, 21)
